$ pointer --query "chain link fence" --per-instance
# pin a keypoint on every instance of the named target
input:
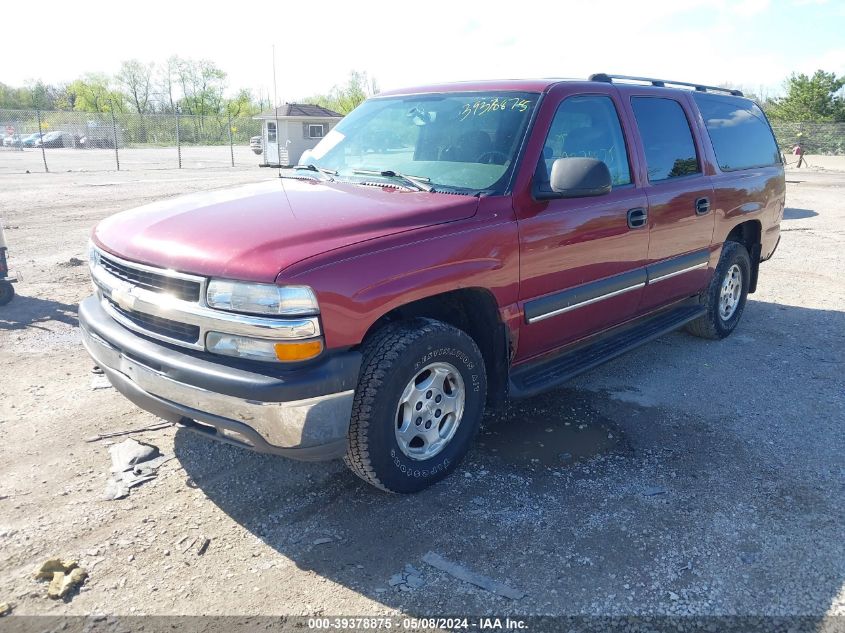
(34, 140)
(814, 138)
(40, 140)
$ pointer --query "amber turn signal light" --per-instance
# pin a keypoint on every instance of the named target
(290, 352)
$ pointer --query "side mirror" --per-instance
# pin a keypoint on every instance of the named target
(577, 178)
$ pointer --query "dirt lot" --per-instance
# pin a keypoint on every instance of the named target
(689, 477)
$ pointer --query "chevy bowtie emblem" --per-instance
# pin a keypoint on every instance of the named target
(123, 297)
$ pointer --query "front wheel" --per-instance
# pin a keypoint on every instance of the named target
(725, 297)
(418, 405)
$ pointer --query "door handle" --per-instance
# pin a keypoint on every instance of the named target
(702, 206)
(637, 217)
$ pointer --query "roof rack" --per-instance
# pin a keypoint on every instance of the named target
(662, 83)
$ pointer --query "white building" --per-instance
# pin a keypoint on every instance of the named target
(292, 129)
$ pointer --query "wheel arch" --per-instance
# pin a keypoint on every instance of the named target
(476, 312)
(749, 234)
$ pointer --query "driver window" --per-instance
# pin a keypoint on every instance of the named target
(586, 127)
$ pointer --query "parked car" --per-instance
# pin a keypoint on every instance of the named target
(30, 140)
(256, 144)
(56, 139)
(12, 140)
(522, 233)
(97, 142)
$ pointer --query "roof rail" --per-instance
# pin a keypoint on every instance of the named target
(662, 83)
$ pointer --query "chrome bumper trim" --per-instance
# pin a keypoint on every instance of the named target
(287, 425)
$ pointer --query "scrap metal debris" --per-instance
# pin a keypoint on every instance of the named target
(410, 578)
(64, 576)
(462, 573)
(133, 463)
(152, 427)
(100, 382)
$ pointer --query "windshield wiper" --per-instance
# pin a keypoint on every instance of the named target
(418, 182)
(314, 168)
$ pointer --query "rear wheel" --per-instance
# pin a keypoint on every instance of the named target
(418, 405)
(725, 297)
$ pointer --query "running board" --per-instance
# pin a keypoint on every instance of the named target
(541, 375)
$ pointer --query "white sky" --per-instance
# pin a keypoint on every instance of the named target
(751, 43)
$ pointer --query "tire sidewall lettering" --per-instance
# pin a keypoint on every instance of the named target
(417, 473)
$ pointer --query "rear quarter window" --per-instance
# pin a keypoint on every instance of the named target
(739, 131)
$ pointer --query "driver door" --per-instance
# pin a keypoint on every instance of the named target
(582, 260)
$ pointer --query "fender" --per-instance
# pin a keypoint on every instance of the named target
(358, 286)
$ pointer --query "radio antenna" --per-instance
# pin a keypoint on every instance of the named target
(276, 114)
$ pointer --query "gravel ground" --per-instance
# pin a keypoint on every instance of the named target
(688, 477)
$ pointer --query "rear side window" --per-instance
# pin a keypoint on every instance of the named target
(739, 131)
(667, 139)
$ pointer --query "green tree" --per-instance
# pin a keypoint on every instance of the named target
(202, 83)
(242, 105)
(815, 99)
(167, 86)
(136, 80)
(347, 97)
(94, 93)
(15, 98)
(34, 95)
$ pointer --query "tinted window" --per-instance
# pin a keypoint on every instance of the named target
(586, 127)
(739, 131)
(667, 140)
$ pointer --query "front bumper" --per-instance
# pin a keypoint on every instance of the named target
(301, 413)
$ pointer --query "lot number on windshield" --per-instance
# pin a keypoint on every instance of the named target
(481, 107)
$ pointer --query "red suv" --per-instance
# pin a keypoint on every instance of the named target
(441, 249)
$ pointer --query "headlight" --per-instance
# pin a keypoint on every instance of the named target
(262, 349)
(252, 298)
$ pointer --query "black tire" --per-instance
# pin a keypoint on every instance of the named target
(392, 359)
(712, 325)
(7, 292)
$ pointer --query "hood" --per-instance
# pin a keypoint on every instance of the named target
(255, 231)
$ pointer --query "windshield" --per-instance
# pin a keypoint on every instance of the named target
(457, 141)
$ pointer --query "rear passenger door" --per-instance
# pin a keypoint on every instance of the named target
(680, 198)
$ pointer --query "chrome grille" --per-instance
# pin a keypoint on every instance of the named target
(160, 326)
(170, 306)
(184, 289)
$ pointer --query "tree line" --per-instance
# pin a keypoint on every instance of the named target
(190, 86)
(198, 87)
